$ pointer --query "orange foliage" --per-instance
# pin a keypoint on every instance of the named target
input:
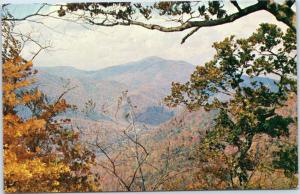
(39, 154)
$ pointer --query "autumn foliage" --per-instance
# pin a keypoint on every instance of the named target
(41, 153)
(250, 138)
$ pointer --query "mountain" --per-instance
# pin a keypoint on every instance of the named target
(269, 83)
(147, 81)
(155, 115)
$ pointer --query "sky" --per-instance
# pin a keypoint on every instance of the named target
(95, 47)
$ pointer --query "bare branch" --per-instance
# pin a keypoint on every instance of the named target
(64, 93)
(235, 3)
(189, 34)
(136, 142)
(37, 13)
(112, 162)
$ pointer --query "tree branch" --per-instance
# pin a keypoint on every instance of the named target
(235, 3)
(290, 3)
(189, 24)
(189, 34)
(283, 13)
(37, 13)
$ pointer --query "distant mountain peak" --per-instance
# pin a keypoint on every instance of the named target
(155, 58)
(142, 62)
(147, 67)
(64, 67)
(160, 59)
(62, 71)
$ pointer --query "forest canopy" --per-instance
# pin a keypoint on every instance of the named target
(244, 98)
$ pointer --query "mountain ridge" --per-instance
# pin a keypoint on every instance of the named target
(133, 63)
(147, 81)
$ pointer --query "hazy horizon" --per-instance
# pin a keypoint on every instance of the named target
(95, 47)
(121, 64)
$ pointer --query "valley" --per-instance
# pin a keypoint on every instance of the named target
(121, 116)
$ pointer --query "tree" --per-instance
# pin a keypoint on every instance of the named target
(182, 15)
(126, 156)
(245, 110)
(41, 153)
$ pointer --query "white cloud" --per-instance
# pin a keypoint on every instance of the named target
(102, 47)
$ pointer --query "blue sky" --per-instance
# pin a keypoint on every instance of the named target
(22, 10)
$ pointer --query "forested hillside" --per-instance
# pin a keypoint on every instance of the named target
(104, 87)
